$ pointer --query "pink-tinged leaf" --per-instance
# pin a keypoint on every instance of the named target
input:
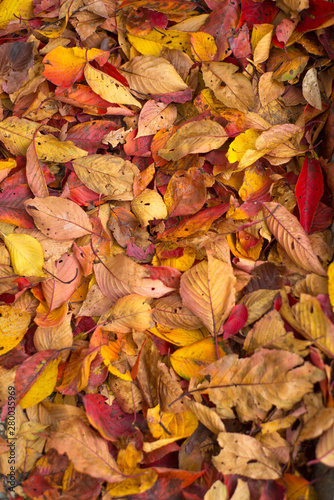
(221, 24)
(34, 172)
(180, 96)
(138, 147)
(76, 191)
(89, 135)
(253, 12)
(12, 208)
(139, 253)
(309, 190)
(236, 320)
(168, 275)
(67, 272)
(316, 15)
(110, 421)
(120, 276)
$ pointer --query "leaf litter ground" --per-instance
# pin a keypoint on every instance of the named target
(167, 291)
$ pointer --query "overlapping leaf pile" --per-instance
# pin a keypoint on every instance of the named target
(166, 199)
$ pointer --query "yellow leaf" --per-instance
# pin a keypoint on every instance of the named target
(298, 488)
(17, 135)
(43, 386)
(15, 9)
(151, 43)
(330, 272)
(131, 312)
(325, 448)
(165, 425)
(8, 163)
(189, 360)
(182, 263)
(177, 336)
(26, 254)
(108, 175)
(13, 326)
(128, 461)
(108, 87)
(147, 206)
(277, 135)
(194, 137)
(207, 289)
(203, 46)
(241, 144)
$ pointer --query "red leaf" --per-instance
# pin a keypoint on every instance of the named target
(309, 190)
(236, 320)
(253, 12)
(316, 15)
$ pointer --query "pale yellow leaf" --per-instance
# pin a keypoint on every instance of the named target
(149, 205)
(194, 137)
(269, 332)
(253, 385)
(261, 42)
(311, 90)
(218, 491)
(26, 254)
(152, 75)
(208, 290)
(244, 455)
(269, 89)
(152, 43)
(179, 425)
(108, 88)
(108, 175)
(325, 448)
(276, 135)
(237, 91)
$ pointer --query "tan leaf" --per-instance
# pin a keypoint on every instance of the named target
(86, 449)
(170, 312)
(108, 175)
(317, 327)
(311, 90)
(131, 312)
(35, 176)
(325, 448)
(269, 89)
(58, 218)
(237, 92)
(108, 88)
(269, 332)
(253, 385)
(261, 42)
(290, 234)
(207, 289)
(120, 276)
(245, 456)
(218, 491)
(194, 137)
(297, 5)
(152, 75)
(154, 116)
(149, 205)
(318, 424)
(277, 135)
(56, 338)
(258, 303)
(116, 137)
(207, 416)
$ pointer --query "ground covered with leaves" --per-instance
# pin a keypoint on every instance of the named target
(166, 292)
